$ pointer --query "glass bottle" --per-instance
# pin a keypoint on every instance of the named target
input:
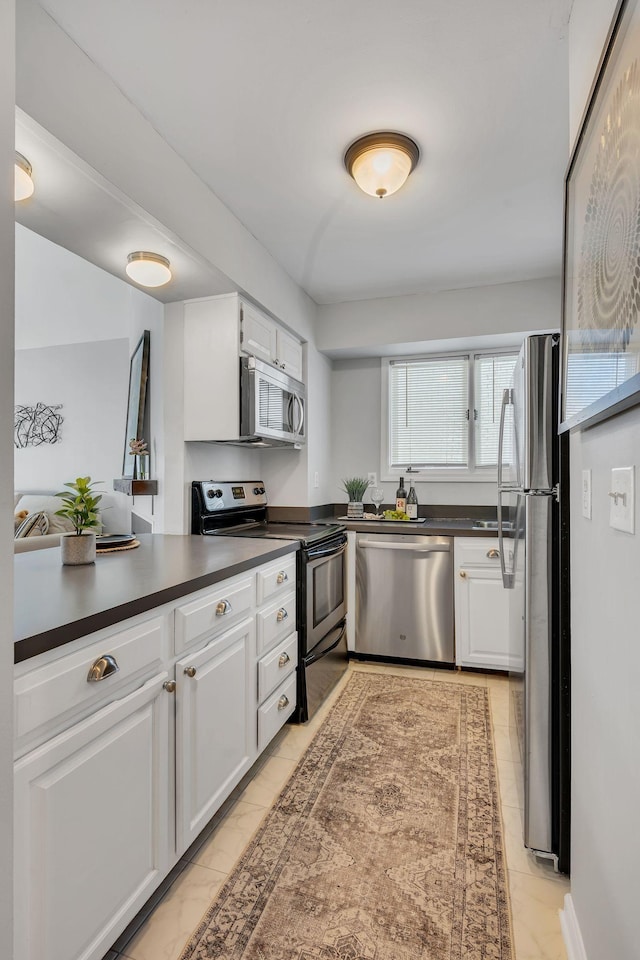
(412, 503)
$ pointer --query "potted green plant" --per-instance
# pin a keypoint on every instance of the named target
(355, 488)
(81, 508)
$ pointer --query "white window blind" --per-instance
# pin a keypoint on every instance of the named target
(591, 375)
(492, 374)
(432, 422)
(428, 406)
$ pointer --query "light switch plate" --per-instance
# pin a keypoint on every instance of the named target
(373, 479)
(586, 494)
(622, 494)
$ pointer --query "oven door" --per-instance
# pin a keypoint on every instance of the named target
(325, 579)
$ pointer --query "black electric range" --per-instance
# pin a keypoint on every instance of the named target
(239, 509)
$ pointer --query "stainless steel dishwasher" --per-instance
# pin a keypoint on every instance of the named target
(404, 597)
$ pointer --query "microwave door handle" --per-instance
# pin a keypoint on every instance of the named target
(290, 423)
(300, 425)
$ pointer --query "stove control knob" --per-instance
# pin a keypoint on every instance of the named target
(256, 491)
(217, 493)
(261, 489)
(210, 493)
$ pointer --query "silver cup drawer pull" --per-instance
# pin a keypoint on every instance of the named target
(283, 702)
(223, 608)
(284, 659)
(282, 577)
(105, 666)
(493, 554)
(281, 615)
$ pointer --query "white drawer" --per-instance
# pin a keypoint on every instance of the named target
(61, 689)
(276, 579)
(275, 622)
(275, 712)
(213, 610)
(276, 666)
(477, 551)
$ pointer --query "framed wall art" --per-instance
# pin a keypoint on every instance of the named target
(138, 377)
(601, 277)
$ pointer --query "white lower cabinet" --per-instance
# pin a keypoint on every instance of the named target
(215, 727)
(92, 832)
(481, 606)
(128, 741)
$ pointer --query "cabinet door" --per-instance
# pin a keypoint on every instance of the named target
(216, 736)
(258, 334)
(289, 354)
(92, 833)
(482, 618)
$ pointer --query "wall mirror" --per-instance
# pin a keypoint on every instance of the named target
(136, 406)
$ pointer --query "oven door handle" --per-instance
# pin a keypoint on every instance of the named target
(313, 657)
(321, 553)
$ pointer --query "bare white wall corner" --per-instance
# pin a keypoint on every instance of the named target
(571, 931)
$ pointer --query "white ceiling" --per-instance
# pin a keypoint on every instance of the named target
(261, 98)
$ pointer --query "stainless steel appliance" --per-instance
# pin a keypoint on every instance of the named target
(533, 534)
(272, 406)
(239, 509)
(404, 598)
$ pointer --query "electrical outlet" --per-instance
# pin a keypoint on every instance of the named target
(316, 479)
(373, 479)
(586, 494)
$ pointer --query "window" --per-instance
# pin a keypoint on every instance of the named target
(432, 425)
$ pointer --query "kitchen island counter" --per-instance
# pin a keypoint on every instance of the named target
(55, 604)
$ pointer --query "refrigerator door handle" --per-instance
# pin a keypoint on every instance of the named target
(507, 578)
(507, 400)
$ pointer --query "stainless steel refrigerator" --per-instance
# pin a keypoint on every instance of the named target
(533, 534)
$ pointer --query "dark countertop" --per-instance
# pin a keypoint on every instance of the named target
(55, 604)
(435, 526)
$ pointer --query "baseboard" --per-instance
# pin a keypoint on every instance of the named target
(571, 931)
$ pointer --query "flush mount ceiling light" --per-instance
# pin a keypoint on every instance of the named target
(24, 186)
(148, 269)
(381, 162)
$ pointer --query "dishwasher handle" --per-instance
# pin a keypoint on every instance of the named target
(410, 547)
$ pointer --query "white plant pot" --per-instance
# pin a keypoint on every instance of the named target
(78, 549)
(355, 509)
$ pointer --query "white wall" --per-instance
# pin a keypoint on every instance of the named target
(363, 327)
(605, 605)
(356, 440)
(90, 380)
(7, 214)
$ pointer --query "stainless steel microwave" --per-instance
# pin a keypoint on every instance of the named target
(272, 406)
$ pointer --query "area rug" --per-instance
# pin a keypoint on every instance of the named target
(385, 844)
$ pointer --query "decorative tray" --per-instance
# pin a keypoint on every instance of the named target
(114, 540)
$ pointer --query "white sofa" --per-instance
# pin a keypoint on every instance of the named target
(37, 503)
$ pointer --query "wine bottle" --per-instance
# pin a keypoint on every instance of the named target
(401, 497)
(412, 503)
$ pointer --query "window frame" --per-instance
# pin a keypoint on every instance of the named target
(467, 474)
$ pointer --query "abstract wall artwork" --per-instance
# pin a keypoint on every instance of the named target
(37, 424)
(600, 325)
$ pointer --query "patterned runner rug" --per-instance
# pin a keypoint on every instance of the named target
(385, 844)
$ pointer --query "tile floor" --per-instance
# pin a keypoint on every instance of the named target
(536, 892)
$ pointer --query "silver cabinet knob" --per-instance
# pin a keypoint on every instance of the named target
(105, 666)
(282, 577)
(281, 615)
(283, 702)
(493, 554)
(190, 671)
(283, 659)
(463, 574)
(169, 686)
(223, 608)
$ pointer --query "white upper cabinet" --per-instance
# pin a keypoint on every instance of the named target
(258, 334)
(263, 338)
